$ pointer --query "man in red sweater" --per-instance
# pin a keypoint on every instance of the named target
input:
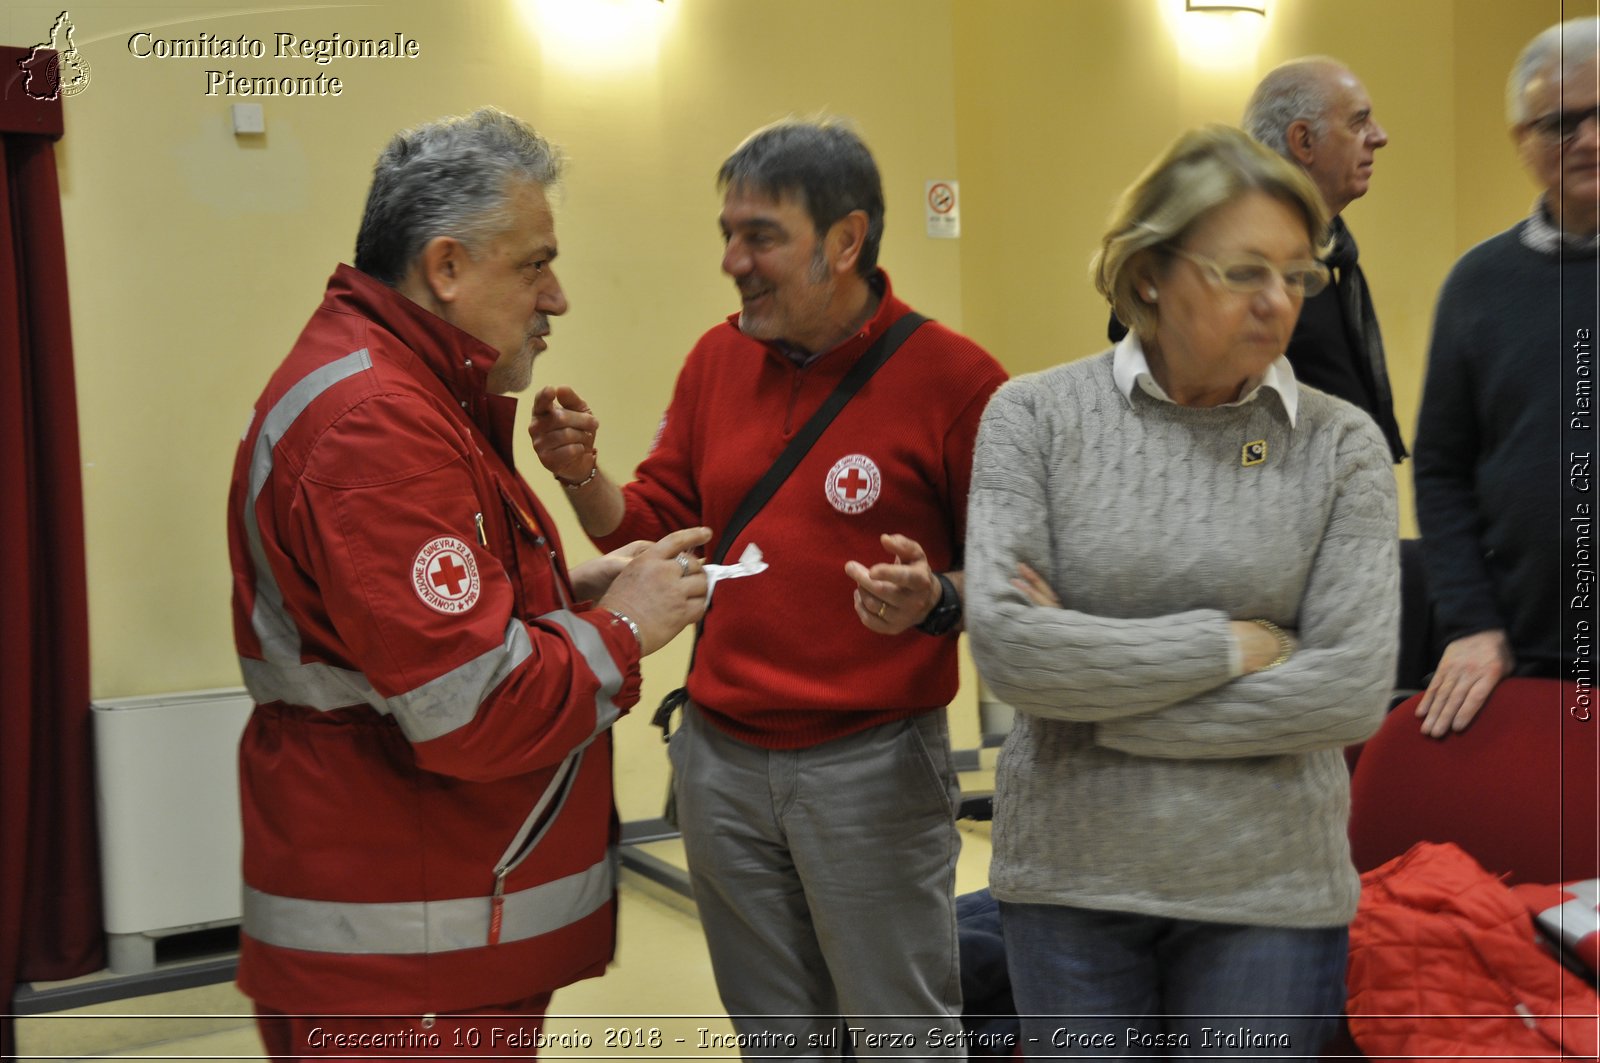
(813, 776)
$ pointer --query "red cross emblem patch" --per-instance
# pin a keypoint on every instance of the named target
(445, 575)
(853, 484)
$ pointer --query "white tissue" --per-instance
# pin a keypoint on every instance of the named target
(749, 563)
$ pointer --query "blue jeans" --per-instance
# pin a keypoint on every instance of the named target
(1114, 985)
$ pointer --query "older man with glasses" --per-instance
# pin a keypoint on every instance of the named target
(1506, 438)
(1316, 113)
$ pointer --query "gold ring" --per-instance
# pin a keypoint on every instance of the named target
(883, 607)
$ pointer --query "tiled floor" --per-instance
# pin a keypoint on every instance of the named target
(661, 978)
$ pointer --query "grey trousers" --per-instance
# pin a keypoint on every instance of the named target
(825, 882)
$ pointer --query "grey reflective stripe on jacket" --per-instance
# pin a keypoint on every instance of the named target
(435, 708)
(592, 646)
(443, 704)
(280, 639)
(395, 928)
(314, 685)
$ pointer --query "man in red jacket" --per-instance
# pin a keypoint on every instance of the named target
(813, 775)
(426, 779)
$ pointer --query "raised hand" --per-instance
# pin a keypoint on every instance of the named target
(563, 430)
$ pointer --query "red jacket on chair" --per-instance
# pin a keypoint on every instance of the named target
(1445, 963)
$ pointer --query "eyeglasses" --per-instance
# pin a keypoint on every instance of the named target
(1563, 126)
(1248, 274)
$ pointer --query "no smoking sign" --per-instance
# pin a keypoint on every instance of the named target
(943, 202)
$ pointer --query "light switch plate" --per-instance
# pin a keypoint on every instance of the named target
(248, 118)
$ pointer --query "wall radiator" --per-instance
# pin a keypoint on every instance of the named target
(167, 781)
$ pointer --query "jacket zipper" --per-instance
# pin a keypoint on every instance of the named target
(530, 528)
(543, 816)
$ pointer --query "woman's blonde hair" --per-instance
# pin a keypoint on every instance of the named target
(1204, 169)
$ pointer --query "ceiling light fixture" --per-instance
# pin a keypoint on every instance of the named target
(1259, 7)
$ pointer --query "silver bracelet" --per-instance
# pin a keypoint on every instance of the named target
(1285, 643)
(573, 485)
(624, 618)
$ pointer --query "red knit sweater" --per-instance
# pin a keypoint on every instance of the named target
(783, 661)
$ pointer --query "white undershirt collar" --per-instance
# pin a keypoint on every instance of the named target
(1130, 368)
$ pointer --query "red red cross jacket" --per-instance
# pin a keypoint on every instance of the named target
(426, 779)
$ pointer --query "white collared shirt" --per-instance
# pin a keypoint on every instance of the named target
(1543, 235)
(1130, 369)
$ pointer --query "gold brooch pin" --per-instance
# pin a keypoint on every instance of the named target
(1254, 452)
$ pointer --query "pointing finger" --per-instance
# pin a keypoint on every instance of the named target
(570, 400)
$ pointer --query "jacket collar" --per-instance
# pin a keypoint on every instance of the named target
(458, 360)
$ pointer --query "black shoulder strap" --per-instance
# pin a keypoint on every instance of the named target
(812, 430)
(768, 485)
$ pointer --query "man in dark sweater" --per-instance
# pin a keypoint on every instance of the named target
(1506, 438)
(1316, 113)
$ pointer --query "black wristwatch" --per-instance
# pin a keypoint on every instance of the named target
(947, 614)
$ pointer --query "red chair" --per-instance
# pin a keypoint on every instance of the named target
(1518, 789)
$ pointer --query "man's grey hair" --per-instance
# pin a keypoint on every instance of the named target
(452, 177)
(1571, 44)
(1296, 91)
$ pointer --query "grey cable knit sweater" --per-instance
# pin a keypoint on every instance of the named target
(1139, 776)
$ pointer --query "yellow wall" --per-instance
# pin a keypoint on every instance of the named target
(1061, 103)
(195, 256)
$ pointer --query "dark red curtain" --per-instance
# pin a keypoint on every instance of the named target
(50, 923)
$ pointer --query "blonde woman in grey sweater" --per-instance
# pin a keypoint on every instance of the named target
(1181, 572)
